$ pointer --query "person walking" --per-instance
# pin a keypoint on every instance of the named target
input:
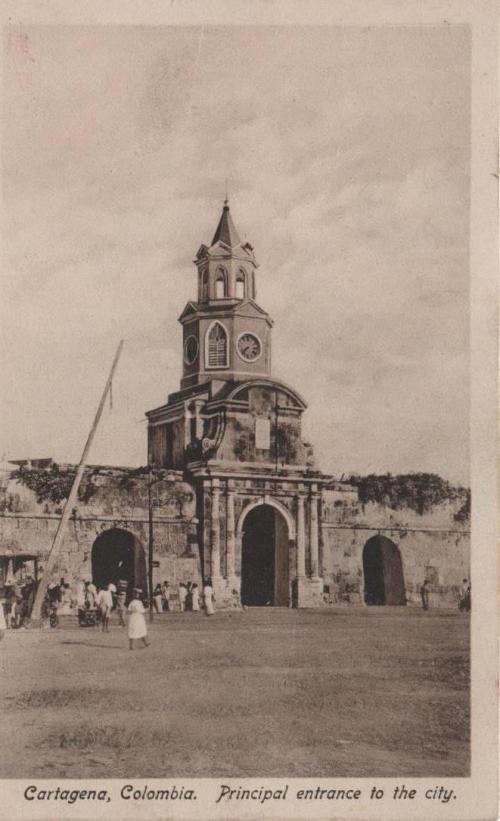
(10, 603)
(208, 597)
(136, 620)
(113, 591)
(424, 594)
(195, 598)
(105, 604)
(121, 599)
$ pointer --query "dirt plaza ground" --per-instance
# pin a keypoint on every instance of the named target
(265, 692)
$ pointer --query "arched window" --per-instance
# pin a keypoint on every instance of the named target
(220, 284)
(241, 290)
(216, 346)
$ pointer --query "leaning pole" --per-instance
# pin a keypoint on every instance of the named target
(68, 508)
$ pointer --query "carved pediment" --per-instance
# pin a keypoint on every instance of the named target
(190, 308)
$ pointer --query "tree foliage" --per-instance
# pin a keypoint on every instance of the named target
(417, 491)
(54, 485)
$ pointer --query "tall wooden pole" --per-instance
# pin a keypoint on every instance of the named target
(150, 546)
(72, 498)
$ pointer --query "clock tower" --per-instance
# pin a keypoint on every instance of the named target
(234, 432)
(226, 335)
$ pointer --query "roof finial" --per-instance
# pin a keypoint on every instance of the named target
(226, 200)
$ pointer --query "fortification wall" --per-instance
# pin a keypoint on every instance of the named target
(109, 499)
(433, 538)
(433, 544)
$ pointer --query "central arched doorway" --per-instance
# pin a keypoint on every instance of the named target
(264, 558)
(118, 555)
(383, 571)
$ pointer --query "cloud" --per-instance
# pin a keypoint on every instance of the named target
(346, 153)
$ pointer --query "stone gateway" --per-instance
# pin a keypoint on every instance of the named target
(236, 493)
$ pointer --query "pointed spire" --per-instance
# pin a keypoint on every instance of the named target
(226, 232)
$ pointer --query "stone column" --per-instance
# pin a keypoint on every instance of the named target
(198, 404)
(215, 531)
(187, 425)
(314, 532)
(230, 540)
(301, 539)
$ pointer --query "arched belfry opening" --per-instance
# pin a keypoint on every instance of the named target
(241, 285)
(221, 290)
(264, 558)
(383, 572)
(117, 555)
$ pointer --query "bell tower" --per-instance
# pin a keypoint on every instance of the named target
(226, 268)
(229, 408)
(233, 434)
(226, 335)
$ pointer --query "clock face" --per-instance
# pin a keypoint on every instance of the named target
(190, 350)
(249, 347)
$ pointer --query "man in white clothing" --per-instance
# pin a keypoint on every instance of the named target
(105, 603)
(182, 596)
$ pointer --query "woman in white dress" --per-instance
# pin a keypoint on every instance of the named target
(182, 596)
(136, 621)
(195, 598)
(208, 597)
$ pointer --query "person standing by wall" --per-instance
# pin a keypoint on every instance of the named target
(158, 598)
(468, 598)
(121, 599)
(465, 596)
(182, 596)
(3, 624)
(208, 597)
(165, 591)
(424, 594)
(195, 598)
(189, 596)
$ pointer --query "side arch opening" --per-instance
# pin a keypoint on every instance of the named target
(118, 555)
(383, 572)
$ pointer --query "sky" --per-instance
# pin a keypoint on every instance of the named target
(346, 155)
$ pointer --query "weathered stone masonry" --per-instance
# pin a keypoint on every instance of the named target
(236, 494)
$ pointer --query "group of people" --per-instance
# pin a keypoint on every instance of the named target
(187, 599)
(104, 600)
(114, 597)
(188, 596)
(19, 600)
(464, 601)
(95, 603)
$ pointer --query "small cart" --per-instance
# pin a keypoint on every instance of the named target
(89, 616)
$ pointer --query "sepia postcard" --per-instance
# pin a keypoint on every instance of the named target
(248, 491)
